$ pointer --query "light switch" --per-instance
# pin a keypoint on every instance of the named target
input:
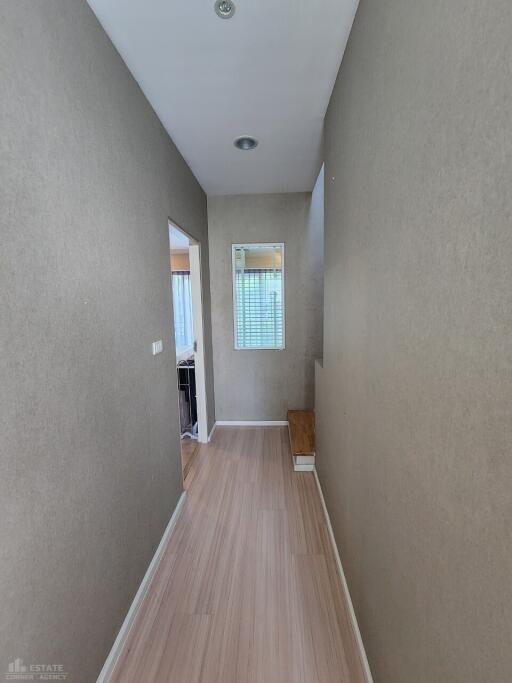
(158, 347)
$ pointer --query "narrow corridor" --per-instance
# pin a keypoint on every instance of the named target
(247, 589)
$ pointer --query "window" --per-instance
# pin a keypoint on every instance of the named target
(258, 296)
(182, 304)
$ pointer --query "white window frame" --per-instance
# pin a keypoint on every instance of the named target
(234, 247)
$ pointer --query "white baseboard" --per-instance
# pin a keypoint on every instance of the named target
(211, 433)
(251, 423)
(308, 467)
(353, 619)
(246, 423)
(117, 647)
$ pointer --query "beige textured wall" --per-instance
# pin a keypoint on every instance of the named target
(415, 399)
(264, 384)
(89, 440)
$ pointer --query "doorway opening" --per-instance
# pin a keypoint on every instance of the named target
(185, 262)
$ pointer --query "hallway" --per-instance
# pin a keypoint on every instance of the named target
(247, 589)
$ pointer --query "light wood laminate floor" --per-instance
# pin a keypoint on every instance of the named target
(188, 451)
(247, 590)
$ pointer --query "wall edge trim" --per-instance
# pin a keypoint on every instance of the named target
(210, 435)
(251, 423)
(113, 656)
(352, 614)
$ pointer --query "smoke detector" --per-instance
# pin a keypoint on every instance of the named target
(224, 8)
(245, 143)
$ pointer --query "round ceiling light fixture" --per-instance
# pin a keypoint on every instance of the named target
(224, 8)
(245, 143)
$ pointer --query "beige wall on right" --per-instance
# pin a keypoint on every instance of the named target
(414, 402)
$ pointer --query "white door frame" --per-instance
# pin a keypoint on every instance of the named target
(194, 252)
(197, 315)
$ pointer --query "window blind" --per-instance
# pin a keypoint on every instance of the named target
(259, 311)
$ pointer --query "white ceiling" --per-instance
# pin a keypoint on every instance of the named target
(267, 72)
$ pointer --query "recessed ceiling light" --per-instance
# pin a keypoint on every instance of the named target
(245, 142)
(225, 8)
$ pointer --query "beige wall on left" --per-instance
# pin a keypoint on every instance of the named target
(89, 442)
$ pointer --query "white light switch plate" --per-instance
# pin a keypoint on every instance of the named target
(158, 347)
